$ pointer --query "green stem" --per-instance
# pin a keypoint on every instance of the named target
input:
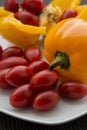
(61, 59)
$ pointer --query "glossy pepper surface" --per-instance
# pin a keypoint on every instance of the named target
(65, 47)
(65, 4)
(18, 33)
(4, 13)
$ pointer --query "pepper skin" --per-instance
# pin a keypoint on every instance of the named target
(67, 42)
(4, 13)
(65, 4)
(18, 33)
(82, 12)
(52, 13)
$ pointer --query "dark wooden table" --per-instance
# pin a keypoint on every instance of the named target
(10, 123)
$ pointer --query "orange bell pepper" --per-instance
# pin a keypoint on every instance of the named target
(65, 47)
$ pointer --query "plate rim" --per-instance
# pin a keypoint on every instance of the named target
(68, 119)
(43, 122)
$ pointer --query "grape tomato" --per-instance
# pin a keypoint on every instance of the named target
(69, 13)
(19, 75)
(35, 6)
(44, 80)
(3, 83)
(46, 100)
(32, 53)
(73, 89)
(37, 66)
(11, 51)
(21, 96)
(27, 18)
(12, 61)
(11, 5)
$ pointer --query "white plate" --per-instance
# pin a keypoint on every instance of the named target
(64, 112)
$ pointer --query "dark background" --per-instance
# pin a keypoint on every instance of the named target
(46, 1)
(2, 1)
(10, 123)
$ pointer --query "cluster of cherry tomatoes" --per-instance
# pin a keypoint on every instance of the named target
(25, 71)
(31, 80)
(29, 10)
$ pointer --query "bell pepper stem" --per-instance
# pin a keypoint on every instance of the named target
(61, 59)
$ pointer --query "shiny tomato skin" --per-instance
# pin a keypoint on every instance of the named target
(72, 89)
(11, 51)
(1, 50)
(37, 66)
(21, 96)
(46, 100)
(3, 83)
(19, 75)
(35, 6)
(12, 61)
(11, 5)
(69, 13)
(27, 18)
(32, 53)
(44, 80)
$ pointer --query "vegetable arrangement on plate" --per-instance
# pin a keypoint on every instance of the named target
(63, 73)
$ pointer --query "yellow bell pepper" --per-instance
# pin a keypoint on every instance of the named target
(19, 33)
(4, 13)
(65, 48)
(65, 4)
(24, 35)
(74, 4)
(82, 12)
(53, 11)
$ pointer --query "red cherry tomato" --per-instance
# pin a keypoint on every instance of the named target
(21, 97)
(11, 5)
(3, 83)
(35, 6)
(12, 61)
(18, 75)
(44, 80)
(69, 13)
(32, 53)
(11, 51)
(73, 90)
(46, 100)
(27, 17)
(1, 51)
(37, 66)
